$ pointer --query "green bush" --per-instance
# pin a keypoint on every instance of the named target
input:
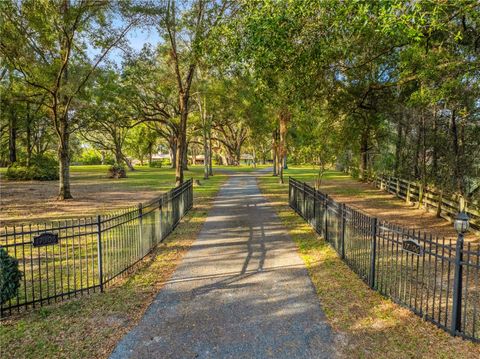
(10, 276)
(90, 157)
(156, 164)
(117, 171)
(355, 172)
(42, 168)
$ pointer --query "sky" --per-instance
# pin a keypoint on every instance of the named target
(137, 38)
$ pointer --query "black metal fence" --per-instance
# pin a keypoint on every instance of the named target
(436, 278)
(64, 259)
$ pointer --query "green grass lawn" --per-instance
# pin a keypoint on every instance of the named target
(143, 177)
(368, 325)
(160, 179)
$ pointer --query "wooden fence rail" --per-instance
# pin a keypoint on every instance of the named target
(445, 205)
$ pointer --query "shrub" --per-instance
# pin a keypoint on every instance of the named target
(42, 168)
(10, 276)
(355, 172)
(117, 171)
(156, 164)
(90, 157)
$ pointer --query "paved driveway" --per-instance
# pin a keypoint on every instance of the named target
(242, 291)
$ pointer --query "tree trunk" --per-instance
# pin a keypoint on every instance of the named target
(128, 163)
(173, 152)
(63, 132)
(179, 162)
(284, 118)
(416, 169)
(206, 152)
(274, 152)
(434, 172)
(12, 137)
(458, 174)
(29, 136)
(64, 159)
(279, 168)
(185, 157)
(398, 148)
(118, 154)
(424, 150)
(210, 154)
(181, 150)
(364, 155)
(150, 154)
(181, 140)
(238, 155)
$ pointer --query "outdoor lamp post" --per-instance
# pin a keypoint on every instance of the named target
(461, 226)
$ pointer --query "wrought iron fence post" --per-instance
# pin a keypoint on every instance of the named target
(314, 217)
(304, 207)
(160, 209)
(191, 194)
(140, 223)
(342, 236)
(457, 287)
(99, 251)
(373, 252)
(326, 217)
(289, 191)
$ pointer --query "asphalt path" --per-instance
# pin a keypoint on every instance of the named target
(241, 291)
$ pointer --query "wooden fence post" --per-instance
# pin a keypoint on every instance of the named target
(409, 202)
(439, 204)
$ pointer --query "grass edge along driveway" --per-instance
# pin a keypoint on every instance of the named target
(90, 326)
(368, 325)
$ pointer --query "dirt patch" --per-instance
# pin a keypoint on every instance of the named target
(35, 201)
(383, 205)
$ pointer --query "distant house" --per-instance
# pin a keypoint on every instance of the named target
(197, 159)
(247, 158)
(160, 156)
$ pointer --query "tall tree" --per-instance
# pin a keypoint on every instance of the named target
(185, 27)
(50, 43)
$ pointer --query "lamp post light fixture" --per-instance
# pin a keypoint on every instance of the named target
(461, 223)
(461, 226)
